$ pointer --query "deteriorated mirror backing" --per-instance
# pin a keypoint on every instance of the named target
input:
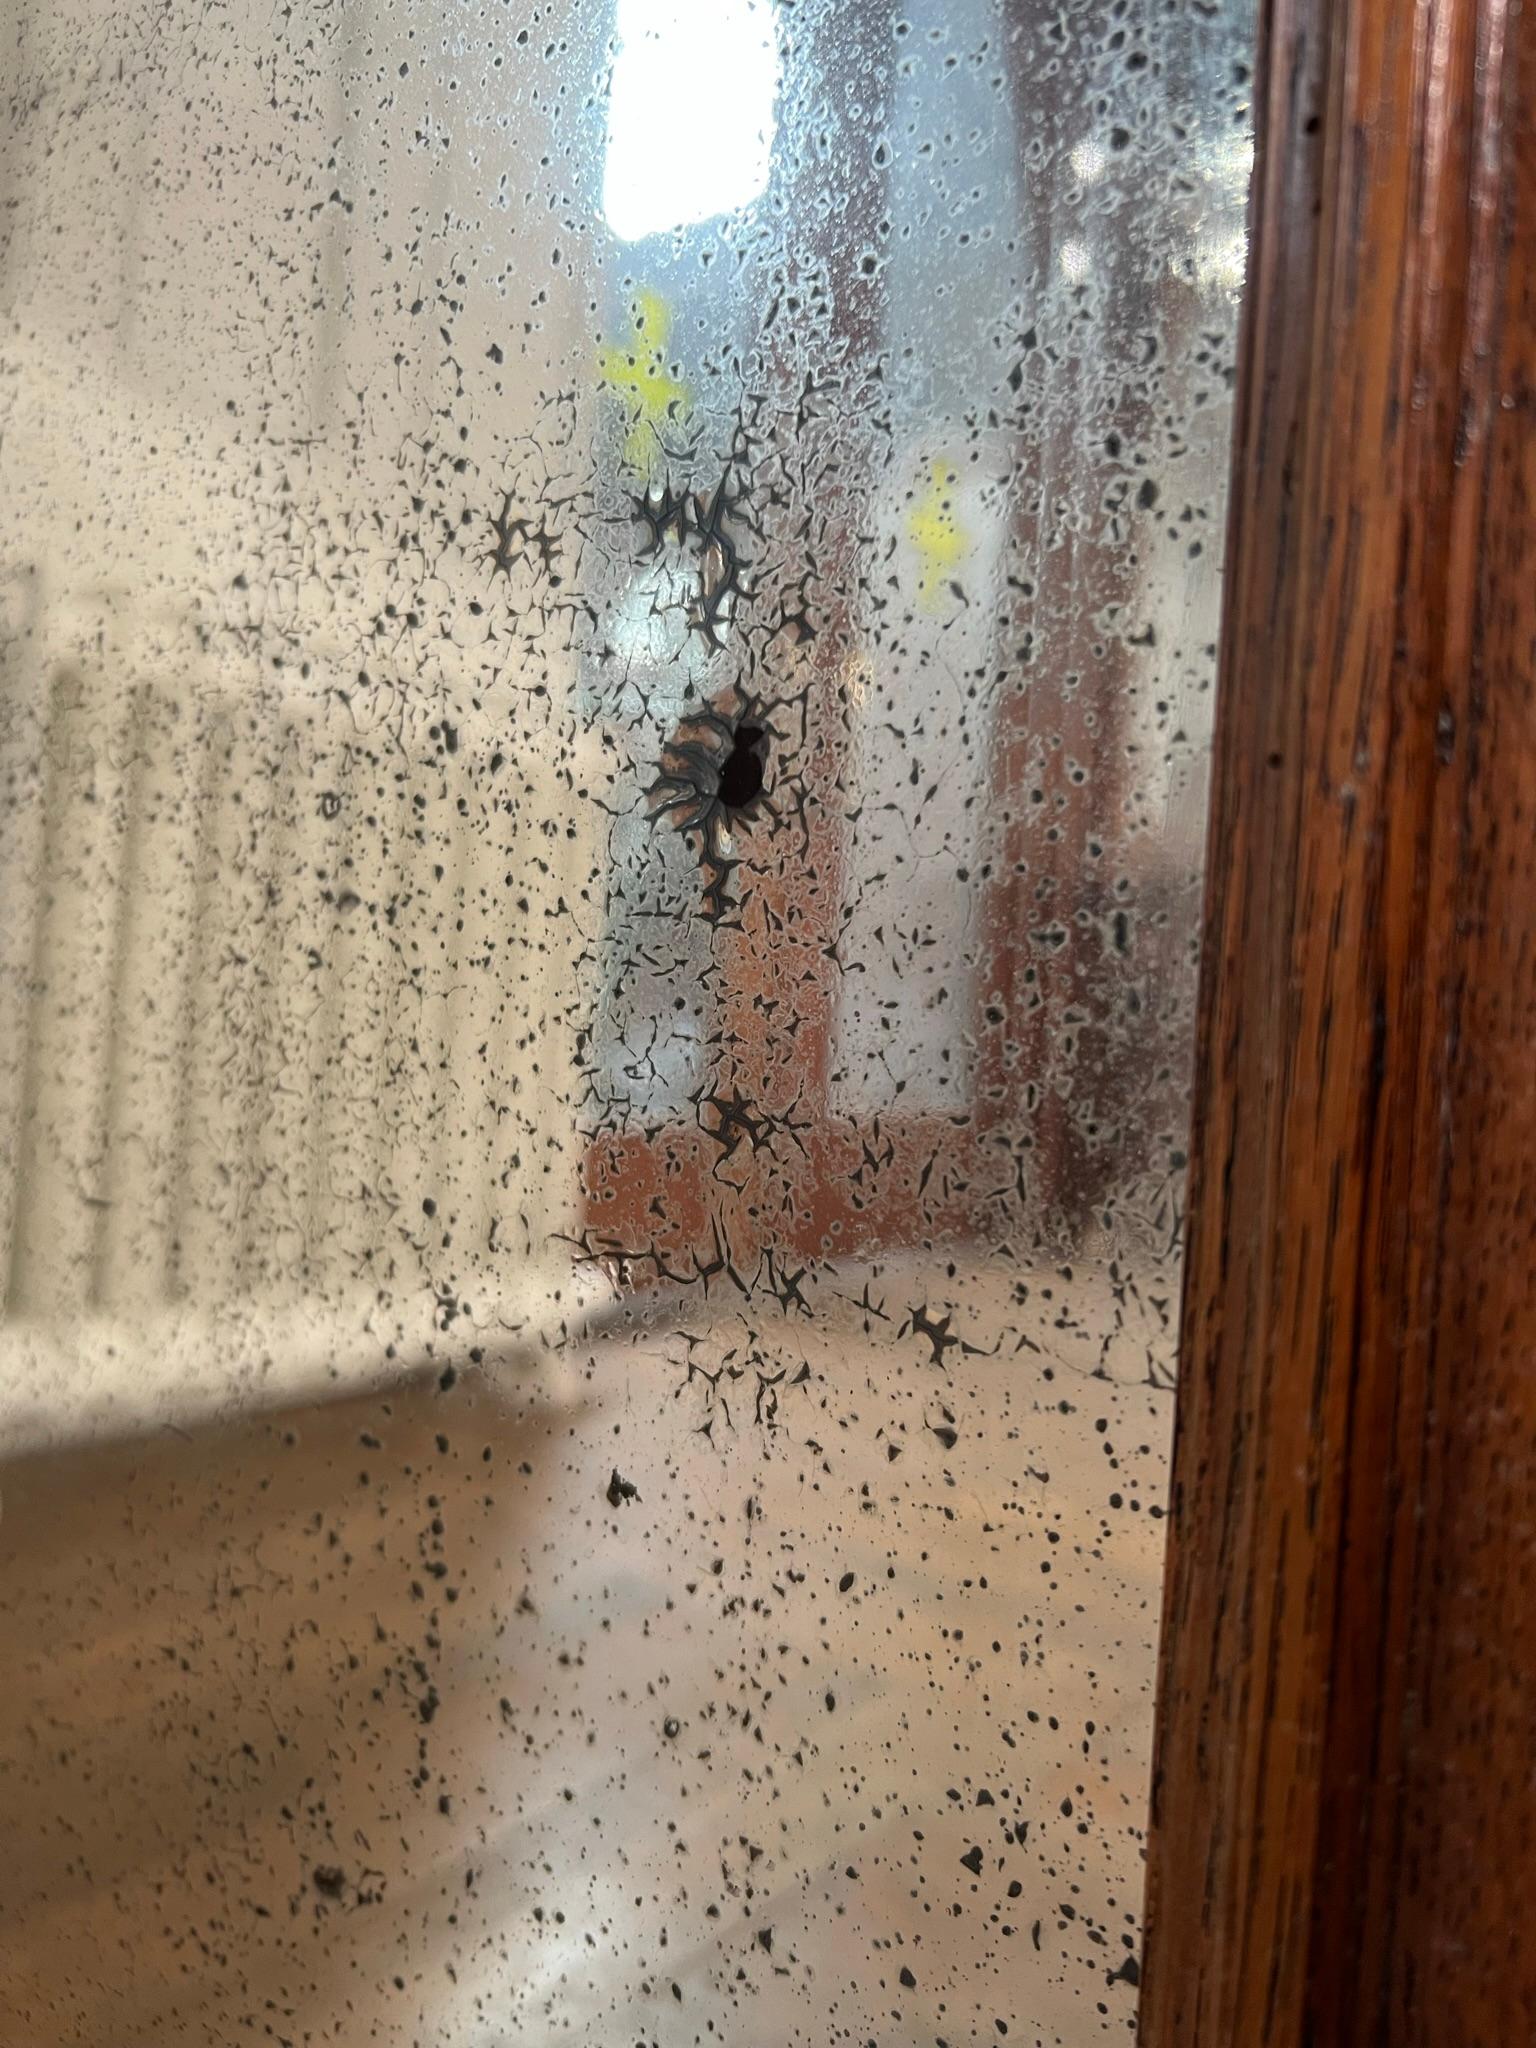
(608, 631)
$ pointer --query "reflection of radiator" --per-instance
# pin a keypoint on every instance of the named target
(280, 983)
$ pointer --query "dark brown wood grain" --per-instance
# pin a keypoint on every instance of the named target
(1344, 1817)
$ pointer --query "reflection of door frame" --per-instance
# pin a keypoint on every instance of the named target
(656, 1193)
(1343, 1840)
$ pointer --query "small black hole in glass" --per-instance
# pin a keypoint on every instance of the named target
(741, 772)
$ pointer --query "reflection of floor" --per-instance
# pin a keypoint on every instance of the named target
(379, 1723)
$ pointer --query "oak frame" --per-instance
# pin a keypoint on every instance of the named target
(1344, 1816)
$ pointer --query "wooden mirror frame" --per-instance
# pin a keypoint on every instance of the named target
(1343, 1838)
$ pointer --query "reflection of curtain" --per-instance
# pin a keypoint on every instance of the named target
(276, 1028)
(286, 927)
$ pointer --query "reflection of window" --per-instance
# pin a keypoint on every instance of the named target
(690, 119)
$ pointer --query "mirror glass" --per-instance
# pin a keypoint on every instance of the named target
(607, 637)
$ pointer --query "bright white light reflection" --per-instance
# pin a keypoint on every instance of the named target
(1075, 261)
(1088, 162)
(690, 119)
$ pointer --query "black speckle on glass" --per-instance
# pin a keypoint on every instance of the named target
(741, 772)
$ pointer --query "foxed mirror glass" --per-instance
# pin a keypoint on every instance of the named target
(608, 625)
